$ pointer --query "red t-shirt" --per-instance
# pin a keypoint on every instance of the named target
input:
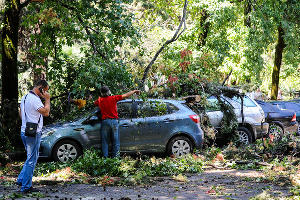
(108, 106)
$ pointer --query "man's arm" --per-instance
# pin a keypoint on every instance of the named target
(128, 94)
(46, 109)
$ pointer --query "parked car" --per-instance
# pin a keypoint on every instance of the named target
(292, 105)
(252, 123)
(151, 126)
(280, 121)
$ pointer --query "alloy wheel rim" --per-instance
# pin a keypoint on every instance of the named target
(275, 131)
(181, 147)
(66, 152)
(243, 136)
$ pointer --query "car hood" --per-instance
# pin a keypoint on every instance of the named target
(60, 125)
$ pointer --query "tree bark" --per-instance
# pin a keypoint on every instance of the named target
(204, 28)
(247, 11)
(277, 63)
(9, 76)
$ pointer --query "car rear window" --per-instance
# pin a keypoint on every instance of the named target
(171, 108)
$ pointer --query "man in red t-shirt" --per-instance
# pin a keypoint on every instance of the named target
(109, 125)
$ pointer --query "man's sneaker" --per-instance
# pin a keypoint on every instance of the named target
(30, 190)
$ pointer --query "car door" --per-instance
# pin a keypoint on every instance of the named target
(126, 126)
(152, 122)
(91, 127)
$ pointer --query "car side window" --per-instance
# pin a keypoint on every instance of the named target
(151, 109)
(212, 104)
(125, 110)
(94, 118)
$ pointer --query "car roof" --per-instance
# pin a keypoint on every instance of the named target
(164, 100)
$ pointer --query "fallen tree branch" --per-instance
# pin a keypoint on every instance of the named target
(174, 38)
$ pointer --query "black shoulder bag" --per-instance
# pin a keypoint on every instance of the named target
(31, 128)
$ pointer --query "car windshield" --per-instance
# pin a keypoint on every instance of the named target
(247, 101)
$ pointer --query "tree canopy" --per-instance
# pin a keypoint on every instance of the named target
(80, 45)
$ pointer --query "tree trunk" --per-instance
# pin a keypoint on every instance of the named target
(277, 63)
(247, 10)
(9, 75)
(204, 24)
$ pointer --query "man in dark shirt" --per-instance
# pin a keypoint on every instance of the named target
(108, 107)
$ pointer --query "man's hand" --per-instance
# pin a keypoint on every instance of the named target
(45, 111)
(138, 92)
(46, 95)
(128, 94)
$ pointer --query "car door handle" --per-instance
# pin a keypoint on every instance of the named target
(125, 125)
(168, 120)
(78, 129)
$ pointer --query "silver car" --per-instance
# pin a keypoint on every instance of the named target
(145, 126)
(252, 123)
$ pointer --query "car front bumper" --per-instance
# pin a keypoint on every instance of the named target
(260, 129)
(292, 128)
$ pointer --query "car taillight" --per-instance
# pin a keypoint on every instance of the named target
(195, 118)
(294, 118)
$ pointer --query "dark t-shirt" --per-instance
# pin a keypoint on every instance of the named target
(108, 106)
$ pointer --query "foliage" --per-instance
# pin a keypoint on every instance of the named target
(77, 46)
(265, 149)
(288, 144)
(94, 165)
(185, 85)
(46, 168)
(223, 36)
(131, 171)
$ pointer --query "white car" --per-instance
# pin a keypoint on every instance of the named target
(251, 123)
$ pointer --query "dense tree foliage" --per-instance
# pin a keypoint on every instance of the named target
(80, 45)
(47, 30)
(235, 35)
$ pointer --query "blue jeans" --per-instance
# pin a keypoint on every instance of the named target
(110, 128)
(32, 145)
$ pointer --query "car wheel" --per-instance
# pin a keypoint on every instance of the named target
(179, 146)
(275, 132)
(66, 150)
(245, 136)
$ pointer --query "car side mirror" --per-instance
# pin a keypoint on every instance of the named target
(92, 120)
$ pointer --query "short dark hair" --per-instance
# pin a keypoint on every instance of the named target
(42, 83)
(104, 90)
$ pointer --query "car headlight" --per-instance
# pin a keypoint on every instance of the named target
(47, 133)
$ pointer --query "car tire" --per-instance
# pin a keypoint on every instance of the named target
(66, 150)
(179, 146)
(275, 132)
(245, 136)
